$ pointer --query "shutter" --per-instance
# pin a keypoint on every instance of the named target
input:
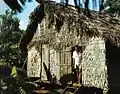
(65, 62)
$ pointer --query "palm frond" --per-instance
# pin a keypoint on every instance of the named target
(16, 5)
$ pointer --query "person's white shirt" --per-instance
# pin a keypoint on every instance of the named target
(77, 57)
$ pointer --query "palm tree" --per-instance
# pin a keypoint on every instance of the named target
(18, 6)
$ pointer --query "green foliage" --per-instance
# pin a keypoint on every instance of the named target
(18, 85)
(2, 62)
(14, 72)
(10, 34)
(113, 6)
(21, 91)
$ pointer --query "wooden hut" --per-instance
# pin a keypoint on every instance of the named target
(65, 27)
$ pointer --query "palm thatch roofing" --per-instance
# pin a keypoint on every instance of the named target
(58, 15)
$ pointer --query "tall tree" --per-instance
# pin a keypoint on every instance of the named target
(10, 34)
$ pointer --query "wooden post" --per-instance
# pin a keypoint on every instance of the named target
(41, 64)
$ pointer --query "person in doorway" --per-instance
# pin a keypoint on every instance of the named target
(77, 57)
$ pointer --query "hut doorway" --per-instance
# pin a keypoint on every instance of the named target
(74, 71)
(113, 65)
(65, 60)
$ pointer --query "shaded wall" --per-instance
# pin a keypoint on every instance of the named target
(93, 63)
(54, 63)
(36, 56)
(34, 63)
(113, 64)
(45, 59)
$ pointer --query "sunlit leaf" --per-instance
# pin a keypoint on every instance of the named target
(14, 72)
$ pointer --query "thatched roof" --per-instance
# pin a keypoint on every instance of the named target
(97, 24)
